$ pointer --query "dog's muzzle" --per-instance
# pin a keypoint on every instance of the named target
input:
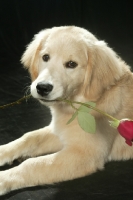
(44, 89)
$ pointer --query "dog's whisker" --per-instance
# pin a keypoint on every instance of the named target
(27, 91)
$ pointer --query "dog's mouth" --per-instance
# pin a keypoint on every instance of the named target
(51, 100)
(45, 100)
(58, 100)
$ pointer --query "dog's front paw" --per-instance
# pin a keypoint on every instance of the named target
(4, 188)
(5, 156)
(2, 155)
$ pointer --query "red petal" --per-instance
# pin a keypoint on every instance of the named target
(129, 142)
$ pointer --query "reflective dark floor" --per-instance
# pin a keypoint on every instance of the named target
(114, 182)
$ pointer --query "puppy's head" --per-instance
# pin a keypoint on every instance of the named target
(67, 61)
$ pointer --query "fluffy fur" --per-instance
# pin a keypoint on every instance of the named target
(62, 152)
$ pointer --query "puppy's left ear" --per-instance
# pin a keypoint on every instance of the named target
(30, 57)
(103, 70)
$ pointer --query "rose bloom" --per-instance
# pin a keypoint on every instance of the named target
(125, 128)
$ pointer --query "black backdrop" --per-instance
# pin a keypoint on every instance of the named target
(20, 20)
(109, 20)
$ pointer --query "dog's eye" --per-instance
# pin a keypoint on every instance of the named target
(71, 64)
(46, 58)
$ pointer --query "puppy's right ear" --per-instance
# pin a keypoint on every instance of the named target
(30, 57)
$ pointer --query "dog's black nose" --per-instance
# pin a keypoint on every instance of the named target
(44, 88)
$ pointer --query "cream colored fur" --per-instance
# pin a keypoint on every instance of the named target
(62, 152)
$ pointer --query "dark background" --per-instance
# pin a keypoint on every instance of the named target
(109, 20)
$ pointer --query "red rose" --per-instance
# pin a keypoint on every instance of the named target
(125, 128)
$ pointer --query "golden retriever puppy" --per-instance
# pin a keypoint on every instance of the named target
(69, 62)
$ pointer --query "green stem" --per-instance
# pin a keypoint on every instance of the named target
(70, 103)
(16, 102)
(64, 100)
(93, 108)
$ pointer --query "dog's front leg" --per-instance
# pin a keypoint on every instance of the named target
(31, 144)
(64, 165)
